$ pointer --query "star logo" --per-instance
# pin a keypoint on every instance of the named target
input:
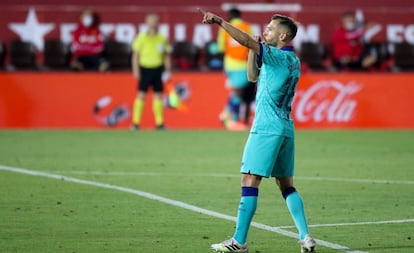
(32, 30)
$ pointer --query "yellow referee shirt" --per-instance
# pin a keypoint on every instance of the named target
(151, 49)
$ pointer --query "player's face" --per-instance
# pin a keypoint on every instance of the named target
(87, 18)
(271, 34)
(348, 22)
(152, 21)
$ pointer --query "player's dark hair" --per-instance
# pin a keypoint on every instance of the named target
(96, 19)
(95, 16)
(234, 13)
(348, 14)
(289, 23)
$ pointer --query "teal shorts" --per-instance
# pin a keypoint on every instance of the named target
(269, 155)
(237, 79)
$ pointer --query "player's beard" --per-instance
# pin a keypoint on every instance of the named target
(271, 43)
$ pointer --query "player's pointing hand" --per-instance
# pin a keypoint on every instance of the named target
(257, 38)
(210, 18)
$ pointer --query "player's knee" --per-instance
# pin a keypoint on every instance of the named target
(157, 95)
(284, 182)
(250, 180)
(141, 95)
(286, 192)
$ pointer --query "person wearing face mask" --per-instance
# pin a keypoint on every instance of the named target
(88, 44)
(349, 52)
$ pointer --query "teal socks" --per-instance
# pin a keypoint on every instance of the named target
(247, 208)
(233, 106)
(295, 205)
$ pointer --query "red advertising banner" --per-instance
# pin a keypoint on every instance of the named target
(194, 100)
(355, 101)
(67, 100)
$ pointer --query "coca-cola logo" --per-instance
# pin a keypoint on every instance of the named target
(326, 101)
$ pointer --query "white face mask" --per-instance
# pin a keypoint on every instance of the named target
(87, 21)
(349, 26)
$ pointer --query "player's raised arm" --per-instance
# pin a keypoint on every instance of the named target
(252, 68)
(243, 38)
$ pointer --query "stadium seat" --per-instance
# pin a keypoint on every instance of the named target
(22, 55)
(2, 54)
(403, 56)
(213, 59)
(56, 54)
(313, 55)
(118, 54)
(380, 49)
(185, 55)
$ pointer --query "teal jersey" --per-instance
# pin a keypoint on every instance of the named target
(276, 88)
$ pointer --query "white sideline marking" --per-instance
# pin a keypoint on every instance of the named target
(357, 180)
(334, 179)
(355, 223)
(170, 202)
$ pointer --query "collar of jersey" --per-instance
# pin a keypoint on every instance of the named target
(287, 48)
(236, 21)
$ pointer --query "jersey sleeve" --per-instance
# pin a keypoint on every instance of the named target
(270, 55)
(75, 40)
(137, 43)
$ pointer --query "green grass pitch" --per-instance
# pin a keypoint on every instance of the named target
(345, 177)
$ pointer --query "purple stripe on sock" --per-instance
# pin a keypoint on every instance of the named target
(288, 191)
(250, 191)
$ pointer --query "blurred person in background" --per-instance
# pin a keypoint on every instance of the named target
(88, 43)
(151, 65)
(349, 51)
(235, 62)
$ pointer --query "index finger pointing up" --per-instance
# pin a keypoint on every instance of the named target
(202, 11)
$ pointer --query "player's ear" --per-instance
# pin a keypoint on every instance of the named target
(283, 37)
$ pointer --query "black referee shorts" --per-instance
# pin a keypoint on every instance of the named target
(249, 93)
(151, 77)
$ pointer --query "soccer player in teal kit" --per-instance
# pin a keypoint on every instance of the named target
(269, 151)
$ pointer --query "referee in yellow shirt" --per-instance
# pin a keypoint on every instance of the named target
(150, 59)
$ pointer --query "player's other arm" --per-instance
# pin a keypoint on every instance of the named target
(167, 61)
(252, 68)
(240, 36)
(136, 47)
(135, 64)
(167, 66)
(76, 45)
